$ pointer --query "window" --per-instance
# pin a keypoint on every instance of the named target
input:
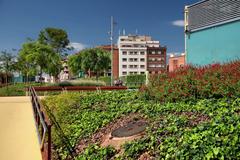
(153, 52)
(124, 53)
(124, 73)
(152, 65)
(124, 66)
(130, 66)
(130, 53)
(124, 59)
(135, 59)
(142, 53)
(142, 72)
(135, 72)
(135, 53)
(142, 60)
(135, 66)
(151, 59)
(159, 52)
(142, 66)
(130, 59)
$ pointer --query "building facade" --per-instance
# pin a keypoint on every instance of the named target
(138, 54)
(212, 31)
(156, 60)
(176, 61)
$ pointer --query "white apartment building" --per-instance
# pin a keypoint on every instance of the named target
(133, 54)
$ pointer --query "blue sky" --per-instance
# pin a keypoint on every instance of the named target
(88, 21)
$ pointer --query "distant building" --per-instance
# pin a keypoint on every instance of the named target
(138, 54)
(156, 59)
(212, 31)
(176, 61)
(64, 74)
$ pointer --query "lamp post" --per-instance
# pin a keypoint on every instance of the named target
(112, 47)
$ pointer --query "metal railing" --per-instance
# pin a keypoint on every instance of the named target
(79, 88)
(43, 125)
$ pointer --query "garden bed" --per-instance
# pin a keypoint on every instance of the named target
(175, 129)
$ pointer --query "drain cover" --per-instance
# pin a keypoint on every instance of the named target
(132, 128)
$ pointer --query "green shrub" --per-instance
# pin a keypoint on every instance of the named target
(78, 83)
(190, 83)
(134, 81)
(106, 79)
(18, 89)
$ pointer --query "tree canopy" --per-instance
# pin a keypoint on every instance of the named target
(7, 63)
(54, 37)
(40, 57)
(94, 59)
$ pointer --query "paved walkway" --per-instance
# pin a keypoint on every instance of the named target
(18, 136)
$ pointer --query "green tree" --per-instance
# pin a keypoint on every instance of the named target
(7, 63)
(39, 57)
(56, 38)
(25, 67)
(75, 63)
(96, 60)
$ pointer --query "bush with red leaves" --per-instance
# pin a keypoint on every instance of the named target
(191, 82)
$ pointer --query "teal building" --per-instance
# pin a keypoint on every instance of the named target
(212, 32)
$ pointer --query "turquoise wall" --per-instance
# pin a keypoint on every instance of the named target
(216, 44)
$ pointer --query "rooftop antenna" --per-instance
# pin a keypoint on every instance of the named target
(119, 32)
(124, 32)
(136, 32)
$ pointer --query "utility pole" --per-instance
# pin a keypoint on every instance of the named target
(111, 38)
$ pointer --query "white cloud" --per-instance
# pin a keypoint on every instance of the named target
(77, 46)
(178, 23)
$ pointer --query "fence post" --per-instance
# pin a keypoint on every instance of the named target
(49, 142)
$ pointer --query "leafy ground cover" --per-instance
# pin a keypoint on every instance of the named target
(207, 128)
(193, 113)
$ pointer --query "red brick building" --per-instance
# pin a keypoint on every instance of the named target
(176, 61)
(156, 60)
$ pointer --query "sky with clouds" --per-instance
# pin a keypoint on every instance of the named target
(88, 21)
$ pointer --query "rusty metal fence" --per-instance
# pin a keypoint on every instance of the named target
(43, 125)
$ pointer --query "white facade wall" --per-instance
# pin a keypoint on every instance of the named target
(133, 54)
(135, 63)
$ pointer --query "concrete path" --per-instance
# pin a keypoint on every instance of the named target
(18, 136)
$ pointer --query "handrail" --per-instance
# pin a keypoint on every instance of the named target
(79, 88)
(43, 125)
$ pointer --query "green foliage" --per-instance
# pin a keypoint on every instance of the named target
(54, 37)
(77, 83)
(134, 81)
(191, 83)
(205, 129)
(94, 59)
(94, 152)
(18, 89)
(7, 65)
(199, 119)
(35, 54)
(75, 63)
(106, 79)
